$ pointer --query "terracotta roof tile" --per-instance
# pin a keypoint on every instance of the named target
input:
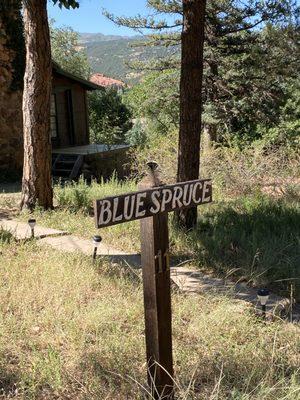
(101, 80)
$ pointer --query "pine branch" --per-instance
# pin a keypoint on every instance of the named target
(160, 39)
(140, 23)
(67, 3)
(167, 6)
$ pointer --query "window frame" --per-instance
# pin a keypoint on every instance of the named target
(53, 118)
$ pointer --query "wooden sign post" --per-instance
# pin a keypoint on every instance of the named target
(151, 204)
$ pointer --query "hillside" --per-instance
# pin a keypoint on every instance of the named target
(110, 54)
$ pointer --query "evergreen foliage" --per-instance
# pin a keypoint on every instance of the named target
(251, 59)
(156, 98)
(137, 135)
(109, 118)
(67, 3)
(67, 52)
(287, 130)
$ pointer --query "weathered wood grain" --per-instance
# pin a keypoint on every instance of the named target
(150, 202)
(157, 302)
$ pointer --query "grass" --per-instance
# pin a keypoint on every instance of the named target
(252, 230)
(79, 196)
(253, 237)
(71, 329)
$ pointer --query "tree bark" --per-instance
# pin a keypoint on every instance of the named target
(192, 39)
(36, 183)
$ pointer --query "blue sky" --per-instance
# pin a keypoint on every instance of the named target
(88, 17)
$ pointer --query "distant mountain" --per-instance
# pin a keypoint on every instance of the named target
(95, 37)
(109, 54)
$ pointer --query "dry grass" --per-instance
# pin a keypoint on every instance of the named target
(71, 329)
(256, 235)
(234, 172)
(253, 170)
(124, 236)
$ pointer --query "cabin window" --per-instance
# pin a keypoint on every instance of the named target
(53, 119)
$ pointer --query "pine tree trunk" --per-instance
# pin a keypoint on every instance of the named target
(192, 39)
(36, 184)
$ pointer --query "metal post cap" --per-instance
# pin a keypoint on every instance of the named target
(97, 239)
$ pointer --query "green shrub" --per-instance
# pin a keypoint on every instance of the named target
(287, 133)
(137, 135)
(5, 236)
(79, 196)
(109, 118)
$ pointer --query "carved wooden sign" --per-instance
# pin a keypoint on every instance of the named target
(146, 203)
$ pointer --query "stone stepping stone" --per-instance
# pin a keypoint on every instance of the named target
(194, 281)
(22, 231)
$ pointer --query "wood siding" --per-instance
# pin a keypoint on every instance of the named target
(68, 121)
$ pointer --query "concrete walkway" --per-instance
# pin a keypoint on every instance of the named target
(21, 230)
(194, 281)
(72, 243)
(186, 278)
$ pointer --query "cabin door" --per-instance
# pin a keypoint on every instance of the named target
(70, 117)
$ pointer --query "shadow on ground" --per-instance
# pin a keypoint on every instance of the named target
(8, 188)
(255, 240)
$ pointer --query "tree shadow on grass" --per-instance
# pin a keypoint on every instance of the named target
(256, 239)
(10, 375)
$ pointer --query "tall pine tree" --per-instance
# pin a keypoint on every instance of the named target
(36, 182)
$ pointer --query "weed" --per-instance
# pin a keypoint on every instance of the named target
(5, 236)
(71, 328)
(79, 196)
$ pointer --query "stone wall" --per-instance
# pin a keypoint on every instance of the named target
(11, 132)
(104, 165)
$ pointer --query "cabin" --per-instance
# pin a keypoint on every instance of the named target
(72, 153)
(69, 118)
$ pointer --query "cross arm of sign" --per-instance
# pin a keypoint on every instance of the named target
(145, 203)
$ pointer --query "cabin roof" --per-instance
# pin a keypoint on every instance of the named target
(102, 80)
(83, 82)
